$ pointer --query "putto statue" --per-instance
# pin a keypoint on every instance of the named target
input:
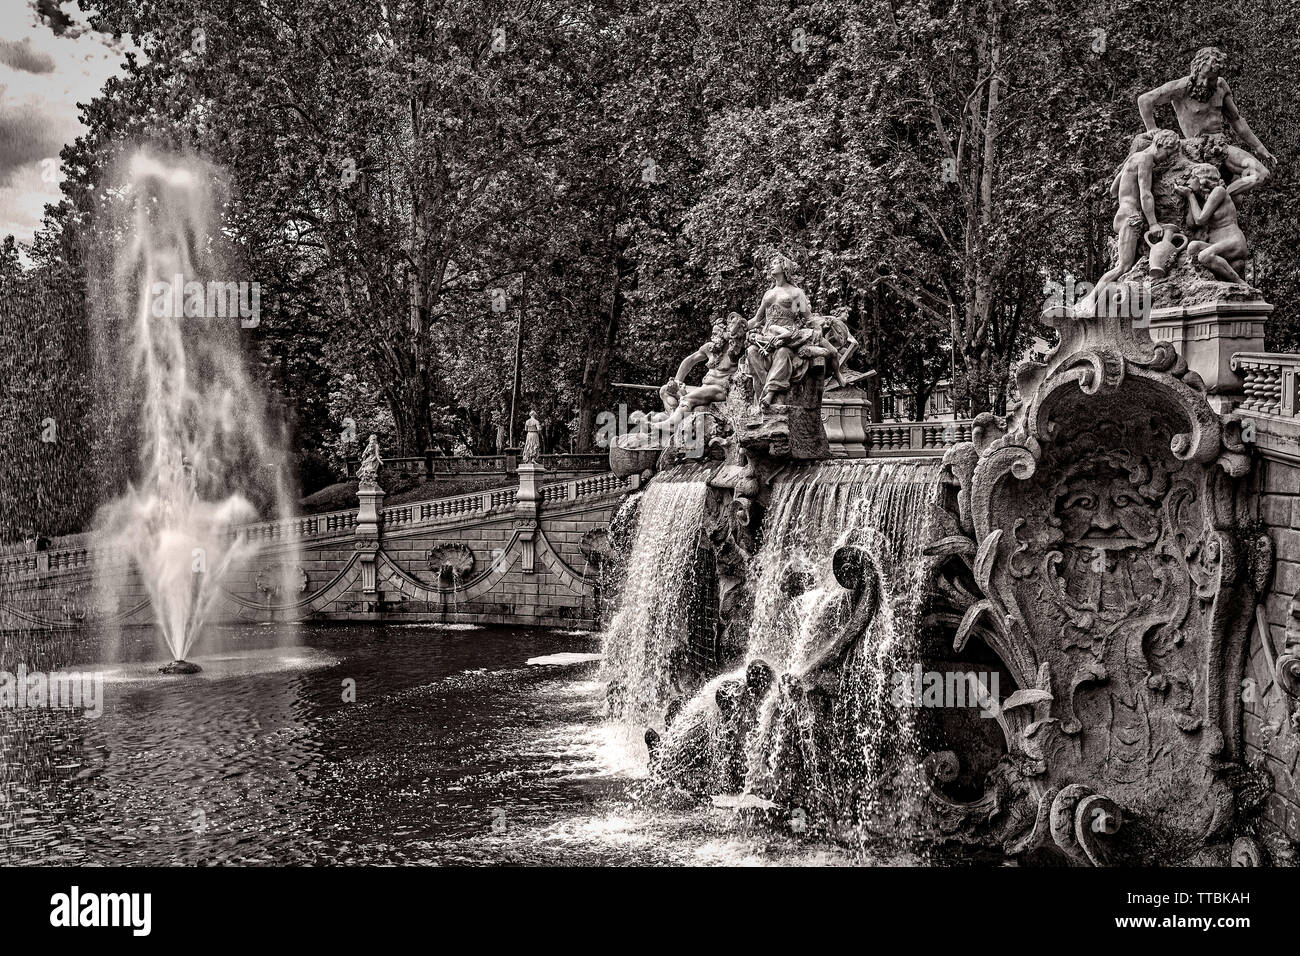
(1134, 189)
(721, 355)
(1223, 251)
(368, 470)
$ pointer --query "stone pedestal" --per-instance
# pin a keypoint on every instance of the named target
(366, 541)
(845, 414)
(793, 431)
(1207, 335)
(528, 499)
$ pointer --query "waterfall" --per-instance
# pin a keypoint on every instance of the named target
(806, 721)
(860, 761)
(646, 642)
(879, 505)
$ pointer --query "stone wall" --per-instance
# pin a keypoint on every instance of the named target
(1271, 731)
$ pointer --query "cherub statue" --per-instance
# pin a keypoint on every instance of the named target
(1210, 207)
(836, 334)
(1203, 103)
(368, 470)
(1134, 188)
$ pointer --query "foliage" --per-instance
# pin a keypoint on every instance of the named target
(416, 183)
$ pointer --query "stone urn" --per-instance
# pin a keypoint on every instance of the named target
(1165, 242)
(632, 461)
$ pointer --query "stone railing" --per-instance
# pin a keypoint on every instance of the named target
(333, 523)
(904, 439)
(1269, 381)
(575, 462)
(430, 466)
(499, 499)
(60, 560)
(306, 526)
(471, 465)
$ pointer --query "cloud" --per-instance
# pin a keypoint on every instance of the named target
(22, 203)
(27, 135)
(50, 60)
(21, 56)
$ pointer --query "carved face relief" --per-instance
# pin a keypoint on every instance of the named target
(1107, 514)
(1101, 508)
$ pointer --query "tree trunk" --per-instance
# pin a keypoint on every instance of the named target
(595, 372)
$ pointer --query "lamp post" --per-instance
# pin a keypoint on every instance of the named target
(519, 353)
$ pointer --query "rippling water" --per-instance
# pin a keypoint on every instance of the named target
(454, 751)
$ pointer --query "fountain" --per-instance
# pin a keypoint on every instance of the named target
(174, 383)
(1093, 550)
(801, 716)
(819, 577)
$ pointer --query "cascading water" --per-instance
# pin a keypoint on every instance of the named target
(807, 722)
(882, 506)
(862, 764)
(171, 356)
(645, 642)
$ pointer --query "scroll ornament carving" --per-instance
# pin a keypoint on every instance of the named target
(1093, 529)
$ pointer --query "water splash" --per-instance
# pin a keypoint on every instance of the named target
(881, 506)
(208, 459)
(807, 722)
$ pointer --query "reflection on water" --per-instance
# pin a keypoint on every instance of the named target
(448, 748)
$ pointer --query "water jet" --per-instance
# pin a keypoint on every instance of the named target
(173, 359)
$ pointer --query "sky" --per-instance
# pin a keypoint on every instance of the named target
(49, 61)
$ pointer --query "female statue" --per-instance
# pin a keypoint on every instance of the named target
(368, 471)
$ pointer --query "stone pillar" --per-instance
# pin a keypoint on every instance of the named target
(528, 499)
(1207, 335)
(366, 537)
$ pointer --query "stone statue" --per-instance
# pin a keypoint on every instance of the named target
(790, 353)
(368, 471)
(532, 452)
(1179, 195)
(835, 334)
(1223, 251)
(778, 333)
(1134, 189)
(1203, 102)
(722, 354)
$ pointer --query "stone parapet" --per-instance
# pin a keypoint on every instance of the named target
(1207, 336)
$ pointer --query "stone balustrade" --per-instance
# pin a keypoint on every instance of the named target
(1269, 382)
(909, 439)
(296, 530)
(429, 466)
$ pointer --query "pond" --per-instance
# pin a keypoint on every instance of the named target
(356, 744)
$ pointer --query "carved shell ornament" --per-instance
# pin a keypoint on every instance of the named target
(275, 581)
(452, 561)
